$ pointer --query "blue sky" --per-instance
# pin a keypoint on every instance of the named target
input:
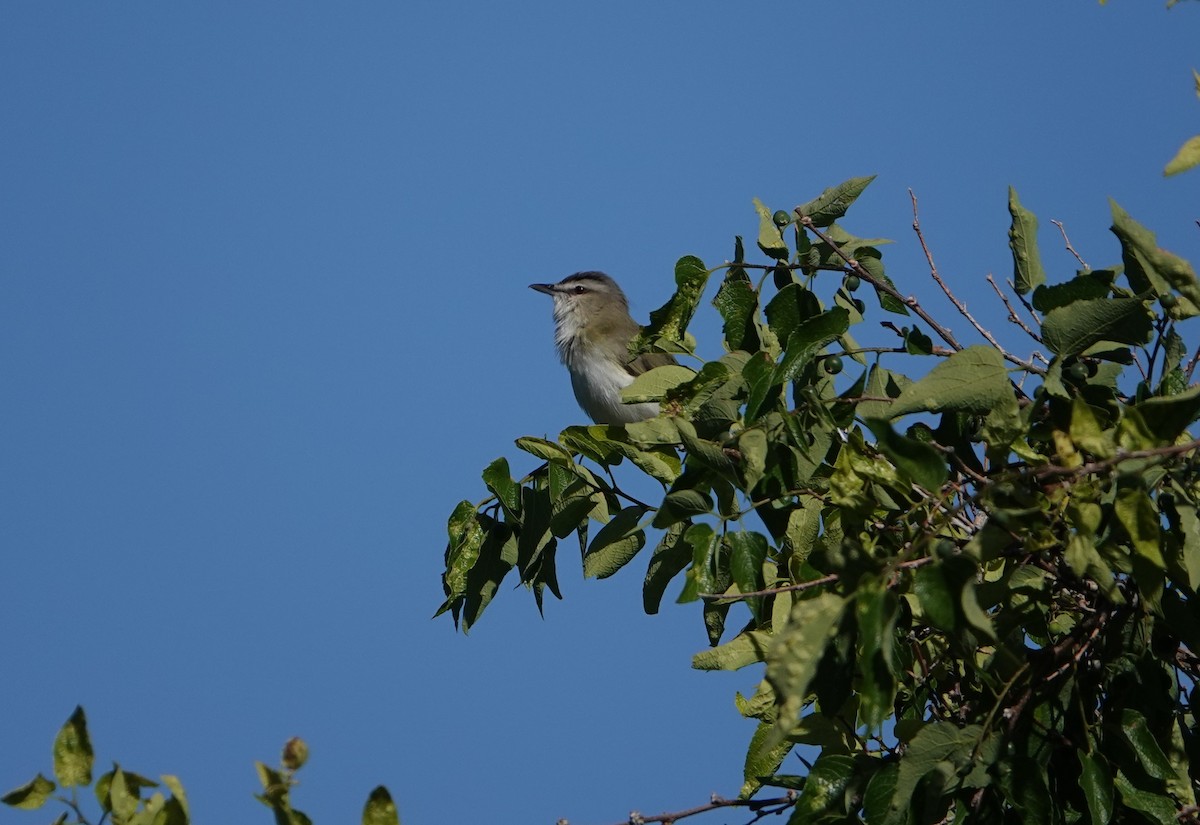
(264, 318)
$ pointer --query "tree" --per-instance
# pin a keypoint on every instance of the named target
(969, 577)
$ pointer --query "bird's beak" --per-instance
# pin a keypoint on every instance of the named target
(546, 288)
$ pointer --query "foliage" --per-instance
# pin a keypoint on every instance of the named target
(969, 578)
(1188, 156)
(119, 793)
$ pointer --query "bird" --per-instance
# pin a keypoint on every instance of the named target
(592, 332)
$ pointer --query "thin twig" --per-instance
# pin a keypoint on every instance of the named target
(883, 286)
(1056, 471)
(1028, 307)
(798, 586)
(959, 305)
(1070, 248)
(1191, 367)
(761, 807)
(1012, 313)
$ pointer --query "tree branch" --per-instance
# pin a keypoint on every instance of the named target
(760, 807)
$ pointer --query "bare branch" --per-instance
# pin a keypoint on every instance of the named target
(1012, 313)
(760, 807)
(959, 305)
(1070, 248)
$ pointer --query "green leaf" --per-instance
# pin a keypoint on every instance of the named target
(744, 649)
(1150, 756)
(654, 384)
(1168, 417)
(877, 609)
(737, 302)
(497, 478)
(1149, 267)
(753, 445)
(544, 449)
(669, 322)
(615, 544)
(834, 201)
(73, 754)
(682, 504)
(1157, 807)
(933, 744)
(122, 800)
(701, 576)
(1071, 329)
(748, 552)
(807, 339)
(770, 237)
(380, 809)
(790, 307)
(872, 262)
(881, 790)
(670, 558)
(825, 789)
(796, 651)
(761, 761)
(1022, 240)
(1137, 515)
(1087, 285)
(30, 796)
(177, 806)
(1097, 785)
(937, 596)
(922, 464)
(972, 380)
(1188, 157)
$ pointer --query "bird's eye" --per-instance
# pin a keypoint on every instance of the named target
(579, 290)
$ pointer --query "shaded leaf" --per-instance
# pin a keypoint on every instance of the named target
(922, 464)
(1097, 785)
(1150, 756)
(654, 384)
(1087, 285)
(748, 551)
(670, 558)
(615, 544)
(796, 652)
(1071, 329)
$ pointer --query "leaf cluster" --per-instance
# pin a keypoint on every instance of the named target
(969, 589)
(127, 798)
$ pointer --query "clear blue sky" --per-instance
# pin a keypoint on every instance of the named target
(264, 318)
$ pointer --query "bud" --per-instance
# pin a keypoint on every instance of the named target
(295, 753)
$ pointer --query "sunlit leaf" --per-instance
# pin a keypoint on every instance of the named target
(73, 754)
(380, 809)
(30, 796)
(1028, 273)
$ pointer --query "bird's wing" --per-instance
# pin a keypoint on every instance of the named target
(648, 361)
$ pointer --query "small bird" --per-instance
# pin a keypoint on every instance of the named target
(592, 330)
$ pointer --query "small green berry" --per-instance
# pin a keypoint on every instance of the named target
(1168, 300)
(852, 283)
(1078, 371)
(781, 218)
(833, 364)
(860, 306)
